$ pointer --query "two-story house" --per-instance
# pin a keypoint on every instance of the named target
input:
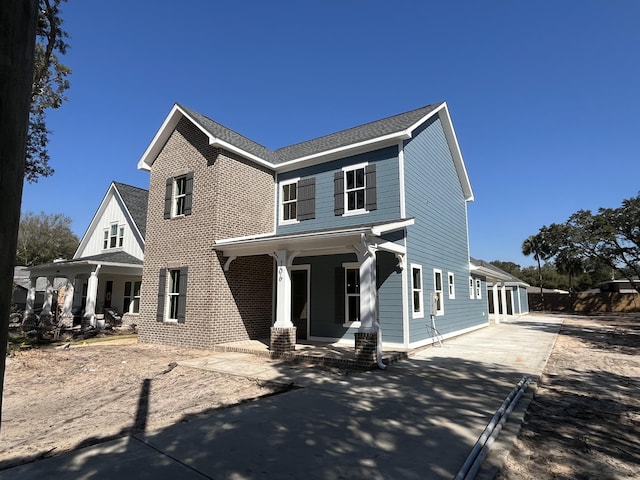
(105, 273)
(358, 236)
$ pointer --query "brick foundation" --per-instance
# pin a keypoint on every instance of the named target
(282, 340)
(366, 344)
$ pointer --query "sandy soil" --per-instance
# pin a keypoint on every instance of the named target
(61, 399)
(584, 421)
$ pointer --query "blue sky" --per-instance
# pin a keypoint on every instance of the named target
(544, 96)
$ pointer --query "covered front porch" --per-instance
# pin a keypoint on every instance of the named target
(313, 304)
(107, 284)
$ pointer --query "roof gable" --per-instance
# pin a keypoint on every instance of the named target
(359, 139)
(132, 203)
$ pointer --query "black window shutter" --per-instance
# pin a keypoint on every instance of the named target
(371, 194)
(188, 197)
(307, 198)
(167, 197)
(162, 290)
(182, 295)
(338, 193)
(339, 295)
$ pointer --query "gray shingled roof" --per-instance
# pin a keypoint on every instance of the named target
(491, 266)
(358, 134)
(229, 136)
(361, 133)
(136, 200)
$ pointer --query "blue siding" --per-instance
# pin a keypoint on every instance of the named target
(521, 292)
(438, 240)
(388, 192)
(323, 299)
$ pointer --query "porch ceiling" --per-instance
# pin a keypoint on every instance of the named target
(317, 242)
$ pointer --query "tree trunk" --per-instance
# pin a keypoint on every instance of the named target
(18, 22)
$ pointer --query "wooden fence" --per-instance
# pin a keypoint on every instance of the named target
(586, 302)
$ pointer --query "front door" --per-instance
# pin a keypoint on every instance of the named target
(300, 300)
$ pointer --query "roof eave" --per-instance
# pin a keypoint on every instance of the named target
(346, 150)
(167, 128)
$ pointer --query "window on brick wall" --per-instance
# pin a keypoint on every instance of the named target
(178, 196)
(172, 295)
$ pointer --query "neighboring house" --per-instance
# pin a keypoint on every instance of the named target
(503, 289)
(21, 278)
(356, 236)
(619, 286)
(105, 273)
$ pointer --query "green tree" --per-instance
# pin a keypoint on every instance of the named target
(537, 246)
(43, 238)
(612, 237)
(509, 267)
(48, 87)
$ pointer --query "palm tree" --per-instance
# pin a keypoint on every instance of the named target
(537, 246)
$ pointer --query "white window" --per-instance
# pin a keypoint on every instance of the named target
(113, 236)
(131, 301)
(478, 289)
(355, 189)
(438, 300)
(417, 291)
(471, 289)
(173, 295)
(452, 285)
(352, 294)
(289, 201)
(179, 195)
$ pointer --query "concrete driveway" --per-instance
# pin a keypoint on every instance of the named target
(418, 419)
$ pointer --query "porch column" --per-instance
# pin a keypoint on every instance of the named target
(89, 317)
(48, 301)
(503, 289)
(368, 318)
(31, 298)
(496, 303)
(69, 290)
(283, 333)
(366, 338)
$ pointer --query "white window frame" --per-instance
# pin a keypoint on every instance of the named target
(451, 285)
(471, 288)
(131, 297)
(438, 293)
(281, 220)
(356, 211)
(172, 292)
(176, 196)
(346, 267)
(478, 288)
(420, 291)
(109, 236)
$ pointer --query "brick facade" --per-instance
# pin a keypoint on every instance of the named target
(232, 197)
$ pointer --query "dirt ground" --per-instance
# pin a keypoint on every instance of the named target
(584, 421)
(62, 399)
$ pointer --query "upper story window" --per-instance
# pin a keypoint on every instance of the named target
(355, 189)
(289, 201)
(297, 200)
(178, 196)
(113, 236)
